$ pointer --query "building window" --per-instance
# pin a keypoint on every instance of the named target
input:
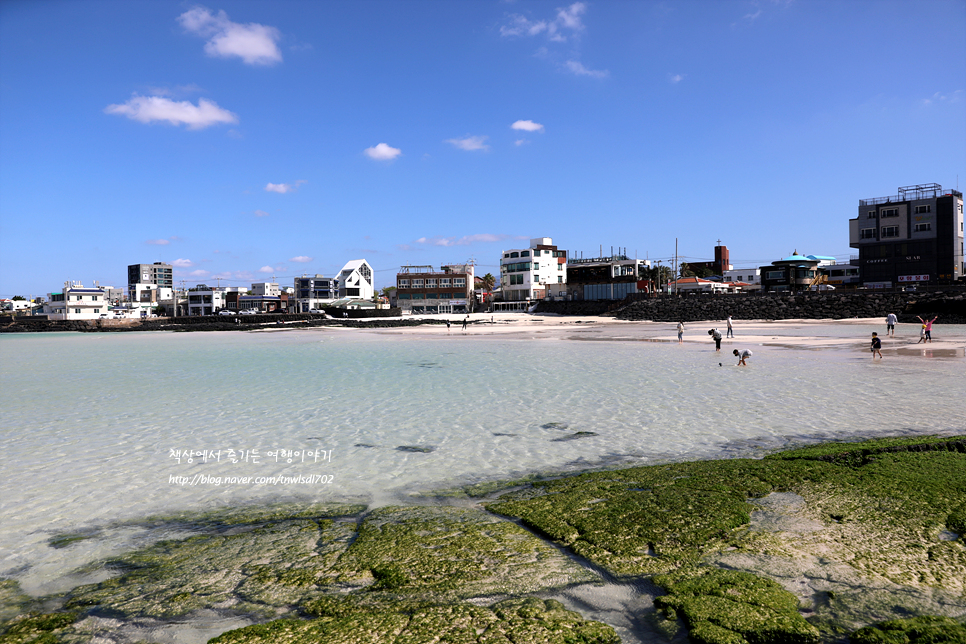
(889, 212)
(459, 282)
(76, 310)
(403, 283)
(890, 231)
(559, 279)
(97, 310)
(922, 209)
(431, 282)
(923, 227)
(867, 233)
(536, 266)
(525, 253)
(515, 254)
(775, 275)
(559, 267)
(444, 282)
(871, 215)
(417, 283)
(93, 298)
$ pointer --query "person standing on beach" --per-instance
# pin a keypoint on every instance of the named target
(876, 345)
(681, 332)
(731, 330)
(927, 326)
(465, 320)
(744, 355)
(716, 335)
(891, 324)
(922, 333)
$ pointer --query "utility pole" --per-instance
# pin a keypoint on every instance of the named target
(675, 265)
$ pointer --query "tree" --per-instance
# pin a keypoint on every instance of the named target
(388, 291)
(19, 298)
(685, 270)
(489, 282)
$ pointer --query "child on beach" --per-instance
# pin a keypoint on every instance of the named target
(927, 327)
(681, 332)
(716, 334)
(876, 345)
(744, 355)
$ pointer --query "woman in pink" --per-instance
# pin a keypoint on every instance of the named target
(928, 325)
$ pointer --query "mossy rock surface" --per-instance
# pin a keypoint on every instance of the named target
(256, 568)
(447, 552)
(881, 505)
(350, 621)
(925, 629)
(732, 607)
(13, 601)
(35, 628)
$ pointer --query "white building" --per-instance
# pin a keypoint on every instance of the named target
(266, 289)
(77, 303)
(205, 300)
(314, 292)
(746, 275)
(534, 273)
(356, 280)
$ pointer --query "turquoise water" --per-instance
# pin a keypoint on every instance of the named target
(91, 420)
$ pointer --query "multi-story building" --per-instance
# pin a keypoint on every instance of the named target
(423, 289)
(356, 280)
(793, 273)
(314, 292)
(269, 289)
(750, 276)
(719, 266)
(205, 300)
(156, 273)
(606, 278)
(534, 273)
(77, 303)
(914, 236)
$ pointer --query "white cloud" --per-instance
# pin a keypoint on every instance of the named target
(198, 273)
(382, 152)
(266, 269)
(527, 126)
(253, 43)
(578, 68)
(183, 263)
(520, 142)
(282, 188)
(470, 143)
(261, 213)
(301, 259)
(567, 18)
(939, 97)
(676, 78)
(466, 240)
(157, 108)
(158, 242)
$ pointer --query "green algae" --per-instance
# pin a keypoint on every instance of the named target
(926, 629)
(350, 621)
(260, 569)
(36, 628)
(731, 607)
(452, 553)
(868, 496)
(13, 601)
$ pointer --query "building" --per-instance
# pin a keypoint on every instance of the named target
(77, 303)
(314, 292)
(698, 285)
(606, 278)
(719, 266)
(269, 289)
(356, 280)
(423, 289)
(793, 273)
(534, 273)
(837, 275)
(749, 276)
(157, 273)
(915, 236)
(206, 300)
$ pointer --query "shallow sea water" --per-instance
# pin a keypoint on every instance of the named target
(91, 420)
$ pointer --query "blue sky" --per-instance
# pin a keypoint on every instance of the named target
(242, 140)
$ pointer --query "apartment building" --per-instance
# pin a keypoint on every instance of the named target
(77, 303)
(356, 280)
(314, 292)
(423, 289)
(915, 236)
(534, 273)
(606, 278)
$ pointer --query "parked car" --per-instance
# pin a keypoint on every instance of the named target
(247, 312)
(226, 312)
(316, 311)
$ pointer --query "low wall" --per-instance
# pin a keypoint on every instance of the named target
(951, 308)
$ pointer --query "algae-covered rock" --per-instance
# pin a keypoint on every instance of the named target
(36, 628)
(452, 552)
(350, 621)
(731, 607)
(251, 568)
(926, 629)
(879, 506)
(13, 601)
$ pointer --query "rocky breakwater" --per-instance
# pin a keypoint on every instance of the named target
(950, 307)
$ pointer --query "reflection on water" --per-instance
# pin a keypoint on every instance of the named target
(932, 353)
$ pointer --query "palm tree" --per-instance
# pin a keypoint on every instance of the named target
(489, 282)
